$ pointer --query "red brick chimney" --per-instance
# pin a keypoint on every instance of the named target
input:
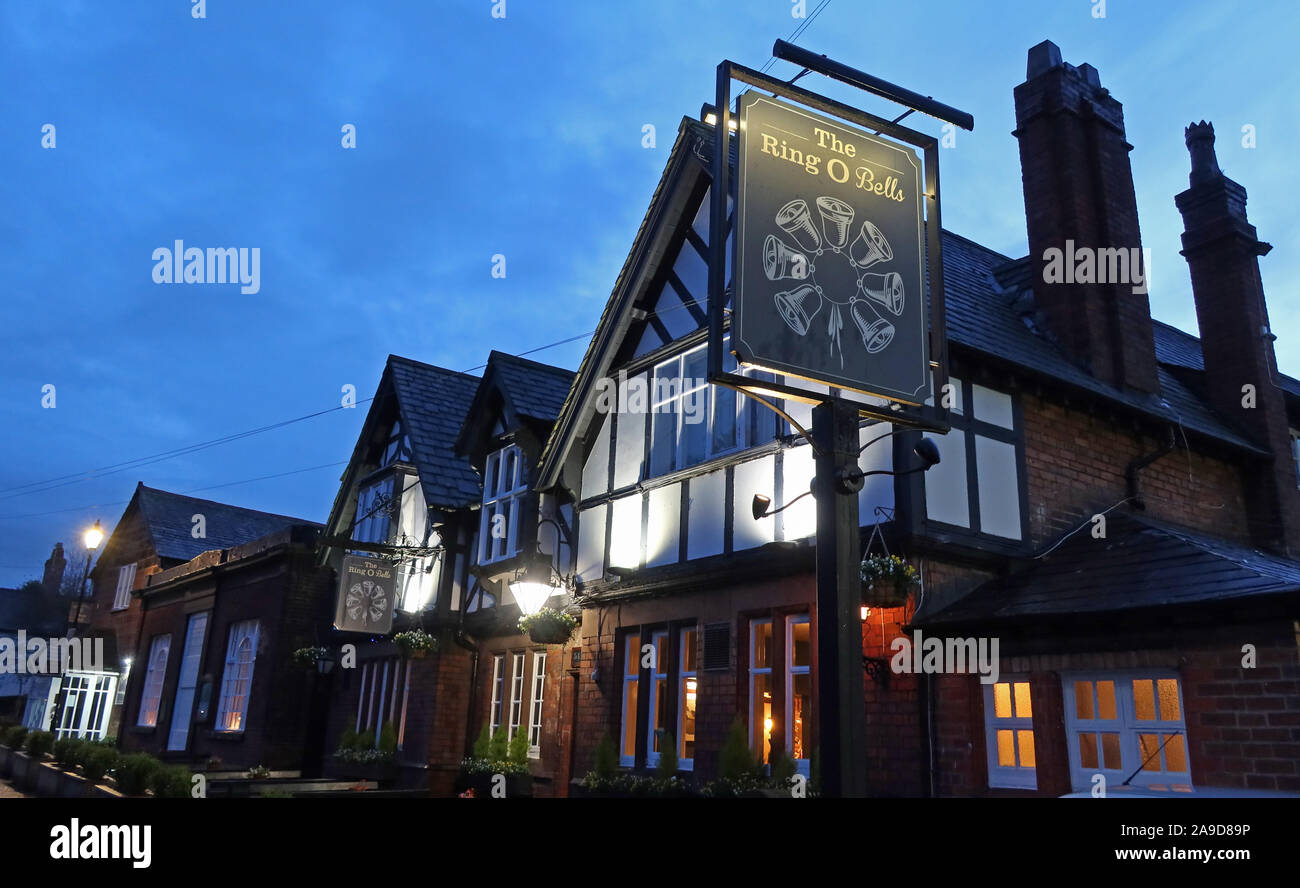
(54, 567)
(1223, 253)
(1079, 200)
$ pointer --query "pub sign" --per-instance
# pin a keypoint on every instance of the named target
(367, 588)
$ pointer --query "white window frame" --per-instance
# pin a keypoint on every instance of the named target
(518, 661)
(187, 681)
(155, 672)
(125, 583)
(1128, 726)
(87, 704)
(679, 389)
(535, 705)
(372, 524)
(498, 686)
(1007, 776)
(236, 684)
(687, 683)
(791, 670)
(658, 674)
(756, 732)
(631, 692)
(505, 482)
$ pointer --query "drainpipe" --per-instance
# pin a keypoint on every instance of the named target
(1139, 463)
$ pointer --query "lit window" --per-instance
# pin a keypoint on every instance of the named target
(505, 481)
(535, 709)
(799, 691)
(1129, 728)
(1009, 730)
(516, 695)
(187, 681)
(498, 687)
(687, 699)
(659, 700)
(237, 679)
(631, 683)
(151, 694)
(760, 688)
(375, 509)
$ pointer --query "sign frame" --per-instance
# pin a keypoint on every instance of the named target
(926, 417)
(376, 565)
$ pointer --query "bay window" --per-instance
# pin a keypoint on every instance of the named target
(780, 688)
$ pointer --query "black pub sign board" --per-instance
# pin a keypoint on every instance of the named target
(829, 253)
(367, 588)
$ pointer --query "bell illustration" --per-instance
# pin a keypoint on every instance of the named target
(870, 247)
(885, 289)
(876, 331)
(798, 307)
(780, 261)
(796, 221)
(837, 216)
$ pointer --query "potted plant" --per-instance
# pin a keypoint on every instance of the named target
(307, 657)
(548, 626)
(493, 758)
(886, 580)
(360, 757)
(415, 643)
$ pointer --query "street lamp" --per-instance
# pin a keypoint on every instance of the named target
(93, 536)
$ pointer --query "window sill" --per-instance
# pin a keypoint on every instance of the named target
(226, 736)
(144, 730)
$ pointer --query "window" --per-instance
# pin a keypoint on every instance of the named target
(237, 679)
(122, 679)
(384, 684)
(125, 583)
(687, 695)
(535, 710)
(1009, 730)
(1295, 454)
(516, 695)
(760, 688)
(977, 483)
(505, 481)
(1128, 727)
(781, 688)
(183, 704)
(631, 690)
(799, 693)
(156, 670)
(85, 705)
(498, 686)
(375, 508)
(659, 703)
(693, 421)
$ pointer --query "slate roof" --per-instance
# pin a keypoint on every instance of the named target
(1183, 350)
(169, 518)
(534, 389)
(1141, 564)
(432, 403)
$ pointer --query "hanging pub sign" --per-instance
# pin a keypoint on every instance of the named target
(366, 594)
(830, 247)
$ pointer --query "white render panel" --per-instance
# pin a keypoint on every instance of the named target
(995, 471)
(591, 543)
(625, 536)
(595, 472)
(663, 533)
(878, 490)
(755, 476)
(800, 520)
(708, 499)
(992, 407)
(629, 448)
(945, 484)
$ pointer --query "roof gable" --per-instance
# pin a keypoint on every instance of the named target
(169, 519)
(432, 403)
(517, 391)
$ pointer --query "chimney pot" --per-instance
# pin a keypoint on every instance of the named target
(1200, 144)
(1043, 58)
(1090, 75)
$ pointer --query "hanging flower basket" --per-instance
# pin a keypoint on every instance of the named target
(548, 626)
(305, 658)
(886, 580)
(415, 643)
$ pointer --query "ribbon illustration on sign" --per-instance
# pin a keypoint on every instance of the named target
(875, 291)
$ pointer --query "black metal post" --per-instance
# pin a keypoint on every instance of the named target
(842, 713)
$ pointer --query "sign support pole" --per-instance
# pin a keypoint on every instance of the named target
(841, 706)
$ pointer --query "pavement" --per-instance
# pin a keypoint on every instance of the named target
(7, 791)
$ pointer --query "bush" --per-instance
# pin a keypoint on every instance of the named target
(348, 739)
(736, 762)
(483, 745)
(667, 767)
(606, 763)
(388, 739)
(96, 762)
(39, 743)
(498, 749)
(15, 736)
(170, 782)
(517, 752)
(365, 740)
(135, 772)
(68, 752)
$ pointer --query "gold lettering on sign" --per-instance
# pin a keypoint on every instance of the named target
(837, 170)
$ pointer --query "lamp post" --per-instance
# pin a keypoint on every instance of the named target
(92, 538)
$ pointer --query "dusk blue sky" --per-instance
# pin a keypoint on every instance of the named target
(475, 136)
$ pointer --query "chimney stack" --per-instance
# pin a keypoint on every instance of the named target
(1081, 211)
(54, 567)
(1223, 252)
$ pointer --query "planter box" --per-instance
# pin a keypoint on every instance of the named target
(49, 780)
(5, 754)
(380, 772)
(518, 786)
(23, 771)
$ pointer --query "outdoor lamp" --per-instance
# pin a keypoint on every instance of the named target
(94, 536)
(325, 664)
(850, 480)
(533, 586)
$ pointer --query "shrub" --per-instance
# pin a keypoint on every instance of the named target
(96, 762)
(348, 739)
(606, 763)
(15, 736)
(135, 772)
(498, 749)
(39, 743)
(783, 769)
(736, 762)
(68, 752)
(388, 739)
(483, 745)
(365, 740)
(170, 782)
(667, 767)
(517, 752)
